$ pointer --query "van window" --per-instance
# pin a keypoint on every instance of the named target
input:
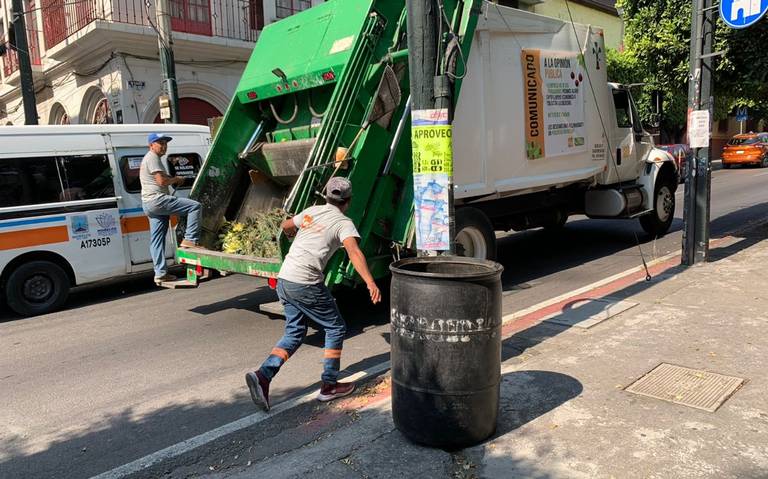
(185, 165)
(49, 179)
(621, 103)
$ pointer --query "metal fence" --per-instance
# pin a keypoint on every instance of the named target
(237, 19)
(11, 57)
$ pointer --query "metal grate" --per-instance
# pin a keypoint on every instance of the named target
(690, 387)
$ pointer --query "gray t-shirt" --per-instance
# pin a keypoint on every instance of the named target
(150, 165)
(322, 230)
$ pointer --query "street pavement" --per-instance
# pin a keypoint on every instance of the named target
(566, 411)
(127, 370)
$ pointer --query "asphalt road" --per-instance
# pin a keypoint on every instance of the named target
(128, 369)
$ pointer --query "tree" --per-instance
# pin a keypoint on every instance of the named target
(657, 36)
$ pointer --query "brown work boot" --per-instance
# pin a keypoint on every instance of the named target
(329, 392)
(165, 278)
(191, 244)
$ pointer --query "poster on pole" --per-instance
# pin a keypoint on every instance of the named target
(432, 170)
(553, 85)
(699, 129)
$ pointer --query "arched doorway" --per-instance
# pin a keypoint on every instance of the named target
(58, 115)
(194, 111)
(95, 108)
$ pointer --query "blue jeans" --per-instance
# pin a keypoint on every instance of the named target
(159, 212)
(303, 302)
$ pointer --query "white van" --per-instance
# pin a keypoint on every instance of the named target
(70, 205)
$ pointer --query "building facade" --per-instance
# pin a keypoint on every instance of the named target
(96, 61)
(598, 13)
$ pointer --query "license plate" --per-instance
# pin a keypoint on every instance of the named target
(740, 152)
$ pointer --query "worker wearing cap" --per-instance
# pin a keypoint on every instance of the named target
(159, 204)
(319, 232)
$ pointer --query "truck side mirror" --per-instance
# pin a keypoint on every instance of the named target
(657, 107)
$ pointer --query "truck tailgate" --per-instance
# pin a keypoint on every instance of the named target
(234, 263)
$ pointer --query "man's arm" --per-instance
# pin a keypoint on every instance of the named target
(164, 180)
(361, 266)
(289, 227)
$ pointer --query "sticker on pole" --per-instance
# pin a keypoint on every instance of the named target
(431, 140)
(742, 13)
(432, 170)
(699, 129)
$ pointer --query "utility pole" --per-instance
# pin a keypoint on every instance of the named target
(696, 212)
(21, 46)
(431, 120)
(167, 63)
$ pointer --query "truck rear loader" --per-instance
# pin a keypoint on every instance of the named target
(539, 132)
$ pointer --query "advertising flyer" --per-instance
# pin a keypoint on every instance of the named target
(553, 84)
(432, 169)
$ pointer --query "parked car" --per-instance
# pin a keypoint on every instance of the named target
(746, 149)
(682, 154)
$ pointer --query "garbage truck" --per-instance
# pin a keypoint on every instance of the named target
(539, 133)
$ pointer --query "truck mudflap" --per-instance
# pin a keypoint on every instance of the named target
(199, 260)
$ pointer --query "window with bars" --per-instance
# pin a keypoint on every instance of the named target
(286, 8)
(256, 14)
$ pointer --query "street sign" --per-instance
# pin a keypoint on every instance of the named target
(742, 13)
(741, 114)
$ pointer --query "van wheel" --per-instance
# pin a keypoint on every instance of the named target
(37, 287)
(475, 237)
(658, 222)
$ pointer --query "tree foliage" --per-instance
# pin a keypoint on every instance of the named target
(656, 52)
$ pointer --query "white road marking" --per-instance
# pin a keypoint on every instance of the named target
(207, 437)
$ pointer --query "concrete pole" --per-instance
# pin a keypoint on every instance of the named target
(430, 87)
(25, 65)
(696, 214)
(167, 63)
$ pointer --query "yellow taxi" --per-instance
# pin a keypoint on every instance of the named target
(746, 149)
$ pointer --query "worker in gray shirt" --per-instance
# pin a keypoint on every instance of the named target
(319, 232)
(159, 205)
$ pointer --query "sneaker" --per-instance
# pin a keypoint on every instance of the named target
(191, 244)
(329, 392)
(259, 387)
(164, 278)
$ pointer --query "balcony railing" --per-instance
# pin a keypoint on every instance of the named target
(11, 57)
(237, 19)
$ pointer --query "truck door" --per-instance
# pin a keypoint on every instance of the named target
(625, 144)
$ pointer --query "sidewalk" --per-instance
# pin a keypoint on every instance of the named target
(564, 408)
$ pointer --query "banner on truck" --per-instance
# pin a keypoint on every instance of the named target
(553, 85)
(432, 170)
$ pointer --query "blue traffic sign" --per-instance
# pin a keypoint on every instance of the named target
(742, 13)
(741, 114)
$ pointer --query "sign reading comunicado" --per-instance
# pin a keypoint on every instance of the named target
(742, 13)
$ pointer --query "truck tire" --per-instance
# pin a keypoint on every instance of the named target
(475, 237)
(37, 287)
(658, 222)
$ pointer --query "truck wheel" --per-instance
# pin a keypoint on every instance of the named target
(658, 222)
(37, 287)
(475, 237)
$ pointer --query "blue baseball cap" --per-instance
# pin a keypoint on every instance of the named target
(155, 137)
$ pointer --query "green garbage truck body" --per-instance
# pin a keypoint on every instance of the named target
(539, 132)
(323, 94)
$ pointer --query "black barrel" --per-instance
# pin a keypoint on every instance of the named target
(446, 349)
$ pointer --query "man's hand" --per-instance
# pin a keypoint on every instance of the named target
(178, 180)
(374, 292)
(361, 266)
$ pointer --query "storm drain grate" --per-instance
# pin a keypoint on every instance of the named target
(689, 387)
